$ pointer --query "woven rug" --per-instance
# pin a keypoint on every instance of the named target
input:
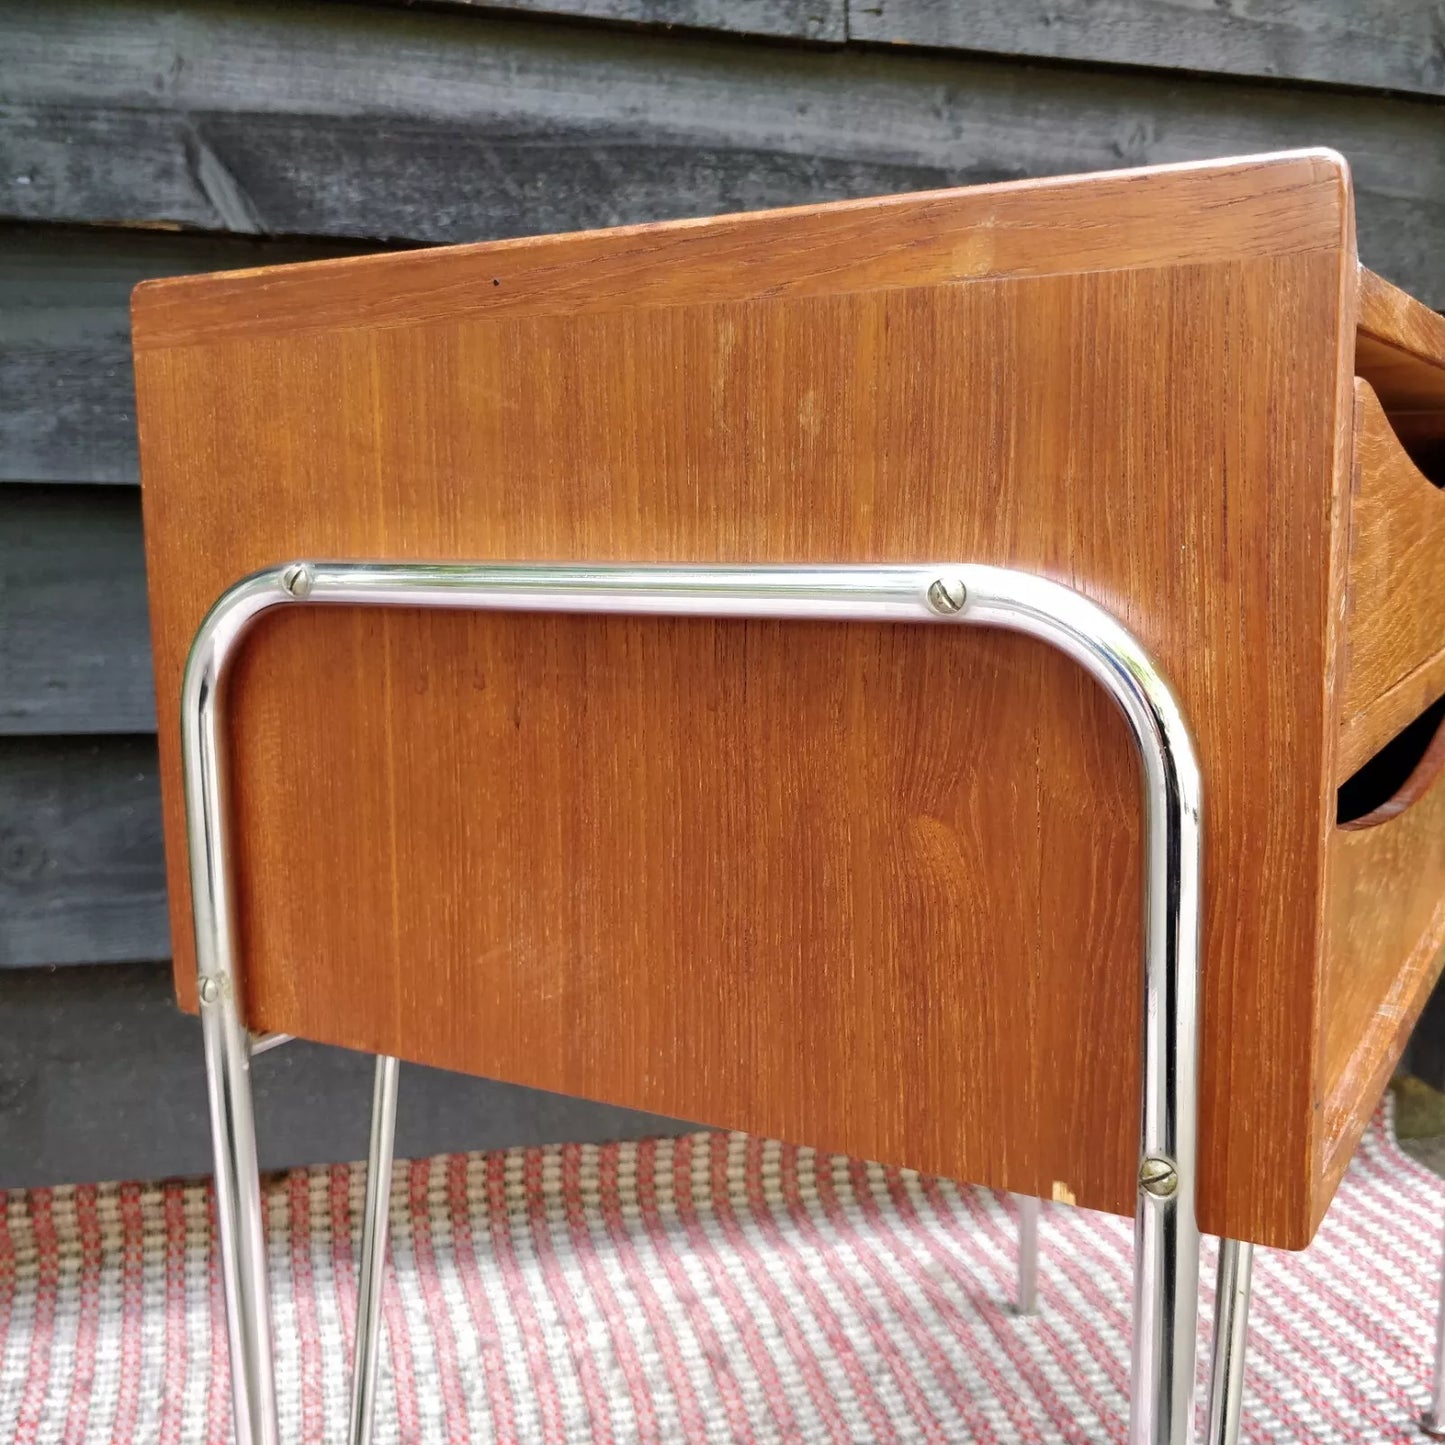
(713, 1287)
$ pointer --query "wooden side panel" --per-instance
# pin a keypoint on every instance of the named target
(714, 870)
(1386, 931)
(1385, 923)
(1395, 631)
(871, 888)
(1393, 321)
(1400, 351)
(1175, 217)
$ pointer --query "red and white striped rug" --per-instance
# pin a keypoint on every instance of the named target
(707, 1288)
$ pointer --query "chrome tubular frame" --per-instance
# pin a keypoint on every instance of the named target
(373, 1249)
(1231, 1336)
(1166, 1237)
(1433, 1420)
(1026, 1293)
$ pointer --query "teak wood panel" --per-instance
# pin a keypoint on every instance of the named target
(1385, 933)
(868, 888)
(1400, 347)
(1395, 631)
(1386, 884)
(1400, 351)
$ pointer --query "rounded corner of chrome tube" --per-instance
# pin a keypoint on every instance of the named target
(233, 611)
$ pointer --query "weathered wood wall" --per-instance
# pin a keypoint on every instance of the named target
(141, 139)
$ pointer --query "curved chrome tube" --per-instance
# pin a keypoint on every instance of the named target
(228, 1053)
(1166, 1236)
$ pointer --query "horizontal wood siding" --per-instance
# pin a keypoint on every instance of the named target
(67, 403)
(1373, 44)
(80, 852)
(74, 634)
(1378, 44)
(817, 20)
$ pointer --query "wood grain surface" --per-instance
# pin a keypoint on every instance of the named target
(1400, 351)
(889, 244)
(1392, 317)
(1386, 891)
(869, 888)
(1385, 932)
(1395, 630)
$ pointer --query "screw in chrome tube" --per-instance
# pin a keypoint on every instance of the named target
(1158, 1176)
(947, 594)
(296, 579)
(210, 990)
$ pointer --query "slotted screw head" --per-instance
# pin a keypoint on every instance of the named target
(1158, 1176)
(296, 579)
(947, 594)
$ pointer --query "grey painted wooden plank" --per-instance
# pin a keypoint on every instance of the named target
(433, 126)
(67, 401)
(1378, 44)
(101, 1078)
(74, 634)
(81, 879)
(818, 20)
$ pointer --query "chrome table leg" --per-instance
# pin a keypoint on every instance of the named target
(1026, 1299)
(373, 1250)
(240, 1233)
(1231, 1338)
(1433, 1421)
(241, 1239)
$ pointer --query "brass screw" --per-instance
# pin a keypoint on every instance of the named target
(210, 990)
(947, 594)
(1158, 1176)
(296, 579)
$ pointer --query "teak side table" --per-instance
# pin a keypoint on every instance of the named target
(709, 667)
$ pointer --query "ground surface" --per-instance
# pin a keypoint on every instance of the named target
(1420, 1121)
